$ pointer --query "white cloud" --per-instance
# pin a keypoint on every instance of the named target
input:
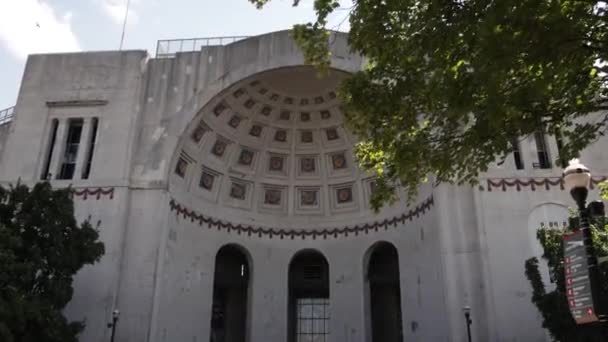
(32, 26)
(116, 9)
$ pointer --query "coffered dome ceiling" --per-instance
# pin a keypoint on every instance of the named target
(273, 150)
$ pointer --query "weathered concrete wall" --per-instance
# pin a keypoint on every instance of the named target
(188, 268)
(467, 249)
(75, 82)
(105, 85)
(4, 132)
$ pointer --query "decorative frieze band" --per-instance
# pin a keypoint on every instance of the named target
(533, 183)
(325, 233)
(85, 193)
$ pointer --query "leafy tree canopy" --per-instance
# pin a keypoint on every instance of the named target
(449, 84)
(41, 248)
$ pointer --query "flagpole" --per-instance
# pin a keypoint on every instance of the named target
(124, 25)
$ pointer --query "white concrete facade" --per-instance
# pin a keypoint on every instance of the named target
(162, 228)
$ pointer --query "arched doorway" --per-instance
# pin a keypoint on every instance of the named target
(384, 305)
(230, 296)
(309, 304)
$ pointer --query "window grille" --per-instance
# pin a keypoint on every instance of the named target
(312, 320)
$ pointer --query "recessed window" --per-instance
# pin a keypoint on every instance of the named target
(519, 164)
(560, 147)
(230, 306)
(542, 151)
(70, 152)
(309, 303)
(384, 289)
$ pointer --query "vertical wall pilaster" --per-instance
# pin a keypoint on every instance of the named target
(462, 262)
(553, 151)
(58, 148)
(346, 296)
(268, 294)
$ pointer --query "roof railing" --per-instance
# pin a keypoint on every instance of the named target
(6, 115)
(168, 48)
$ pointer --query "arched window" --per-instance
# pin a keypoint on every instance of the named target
(230, 302)
(384, 294)
(309, 308)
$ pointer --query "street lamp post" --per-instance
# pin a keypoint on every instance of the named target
(468, 320)
(577, 180)
(112, 324)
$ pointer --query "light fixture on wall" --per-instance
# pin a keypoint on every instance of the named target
(577, 179)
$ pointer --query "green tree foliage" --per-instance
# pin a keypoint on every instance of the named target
(41, 248)
(553, 304)
(449, 84)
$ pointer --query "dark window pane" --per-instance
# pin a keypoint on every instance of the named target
(71, 149)
(519, 164)
(542, 151)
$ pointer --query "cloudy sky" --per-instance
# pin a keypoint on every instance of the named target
(39, 26)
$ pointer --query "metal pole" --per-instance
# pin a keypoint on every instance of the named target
(113, 329)
(124, 25)
(467, 316)
(112, 324)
